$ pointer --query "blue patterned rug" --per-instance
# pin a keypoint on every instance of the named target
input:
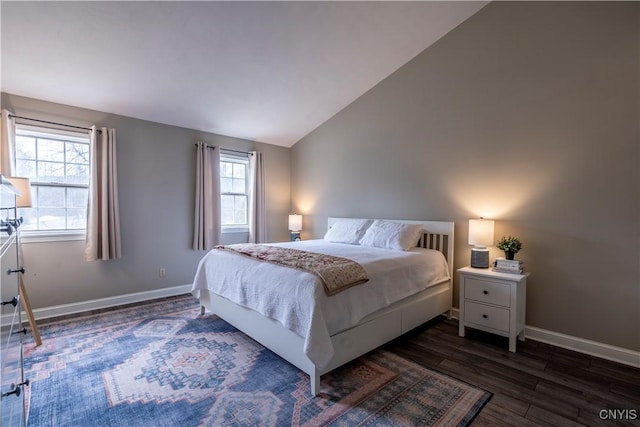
(162, 364)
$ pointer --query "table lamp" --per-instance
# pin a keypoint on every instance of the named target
(295, 225)
(23, 185)
(480, 236)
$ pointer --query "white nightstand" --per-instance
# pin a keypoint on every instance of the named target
(493, 302)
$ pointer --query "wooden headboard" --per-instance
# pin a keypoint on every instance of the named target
(436, 235)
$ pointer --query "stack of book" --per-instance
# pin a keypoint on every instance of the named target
(503, 265)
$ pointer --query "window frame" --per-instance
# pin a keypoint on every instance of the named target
(228, 157)
(66, 234)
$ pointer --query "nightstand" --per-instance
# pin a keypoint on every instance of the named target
(493, 302)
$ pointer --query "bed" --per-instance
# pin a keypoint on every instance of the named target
(316, 332)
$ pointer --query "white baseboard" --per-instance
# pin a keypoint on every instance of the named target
(581, 345)
(96, 304)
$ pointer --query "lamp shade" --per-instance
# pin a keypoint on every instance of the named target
(295, 222)
(23, 185)
(481, 232)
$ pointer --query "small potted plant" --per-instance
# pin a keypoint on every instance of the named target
(510, 245)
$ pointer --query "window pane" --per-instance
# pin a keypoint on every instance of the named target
(51, 197)
(238, 186)
(51, 219)
(76, 219)
(77, 197)
(241, 209)
(25, 147)
(240, 203)
(77, 174)
(30, 219)
(50, 172)
(239, 170)
(227, 217)
(234, 210)
(241, 217)
(227, 209)
(50, 149)
(227, 202)
(77, 153)
(26, 168)
(226, 169)
(226, 185)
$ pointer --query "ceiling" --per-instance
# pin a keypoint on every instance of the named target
(264, 71)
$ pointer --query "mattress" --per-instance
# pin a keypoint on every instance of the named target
(297, 299)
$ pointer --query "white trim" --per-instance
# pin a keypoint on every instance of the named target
(230, 229)
(79, 307)
(73, 135)
(581, 345)
(41, 236)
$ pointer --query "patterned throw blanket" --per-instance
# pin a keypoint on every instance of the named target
(336, 273)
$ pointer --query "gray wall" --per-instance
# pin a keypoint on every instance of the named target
(156, 183)
(526, 113)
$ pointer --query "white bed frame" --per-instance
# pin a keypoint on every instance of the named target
(374, 330)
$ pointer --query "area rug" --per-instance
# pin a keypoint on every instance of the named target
(163, 364)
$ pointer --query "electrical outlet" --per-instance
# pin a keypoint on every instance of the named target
(162, 272)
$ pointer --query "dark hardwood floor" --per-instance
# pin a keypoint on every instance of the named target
(540, 385)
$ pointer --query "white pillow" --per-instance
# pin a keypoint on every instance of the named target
(347, 231)
(392, 235)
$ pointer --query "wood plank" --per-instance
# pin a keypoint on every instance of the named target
(505, 417)
(517, 406)
(550, 418)
(538, 385)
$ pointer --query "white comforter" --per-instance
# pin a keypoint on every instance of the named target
(296, 298)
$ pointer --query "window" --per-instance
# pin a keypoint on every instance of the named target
(57, 163)
(234, 190)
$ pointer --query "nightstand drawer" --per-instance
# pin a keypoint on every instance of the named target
(487, 291)
(487, 316)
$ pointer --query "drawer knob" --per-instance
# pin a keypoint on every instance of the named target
(485, 292)
(484, 316)
(16, 389)
(6, 227)
(13, 301)
(19, 270)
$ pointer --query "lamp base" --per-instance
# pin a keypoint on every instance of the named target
(295, 236)
(480, 258)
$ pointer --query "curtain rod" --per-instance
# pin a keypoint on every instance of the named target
(51, 123)
(228, 149)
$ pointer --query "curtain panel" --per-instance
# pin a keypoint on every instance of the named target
(7, 144)
(257, 205)
(103, 216)
(207, 217)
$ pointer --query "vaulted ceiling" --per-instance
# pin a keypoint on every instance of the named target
(265, 71)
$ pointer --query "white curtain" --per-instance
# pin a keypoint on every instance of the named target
(103, 218)
(257, 206)
(7, 144)
(207, 221)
